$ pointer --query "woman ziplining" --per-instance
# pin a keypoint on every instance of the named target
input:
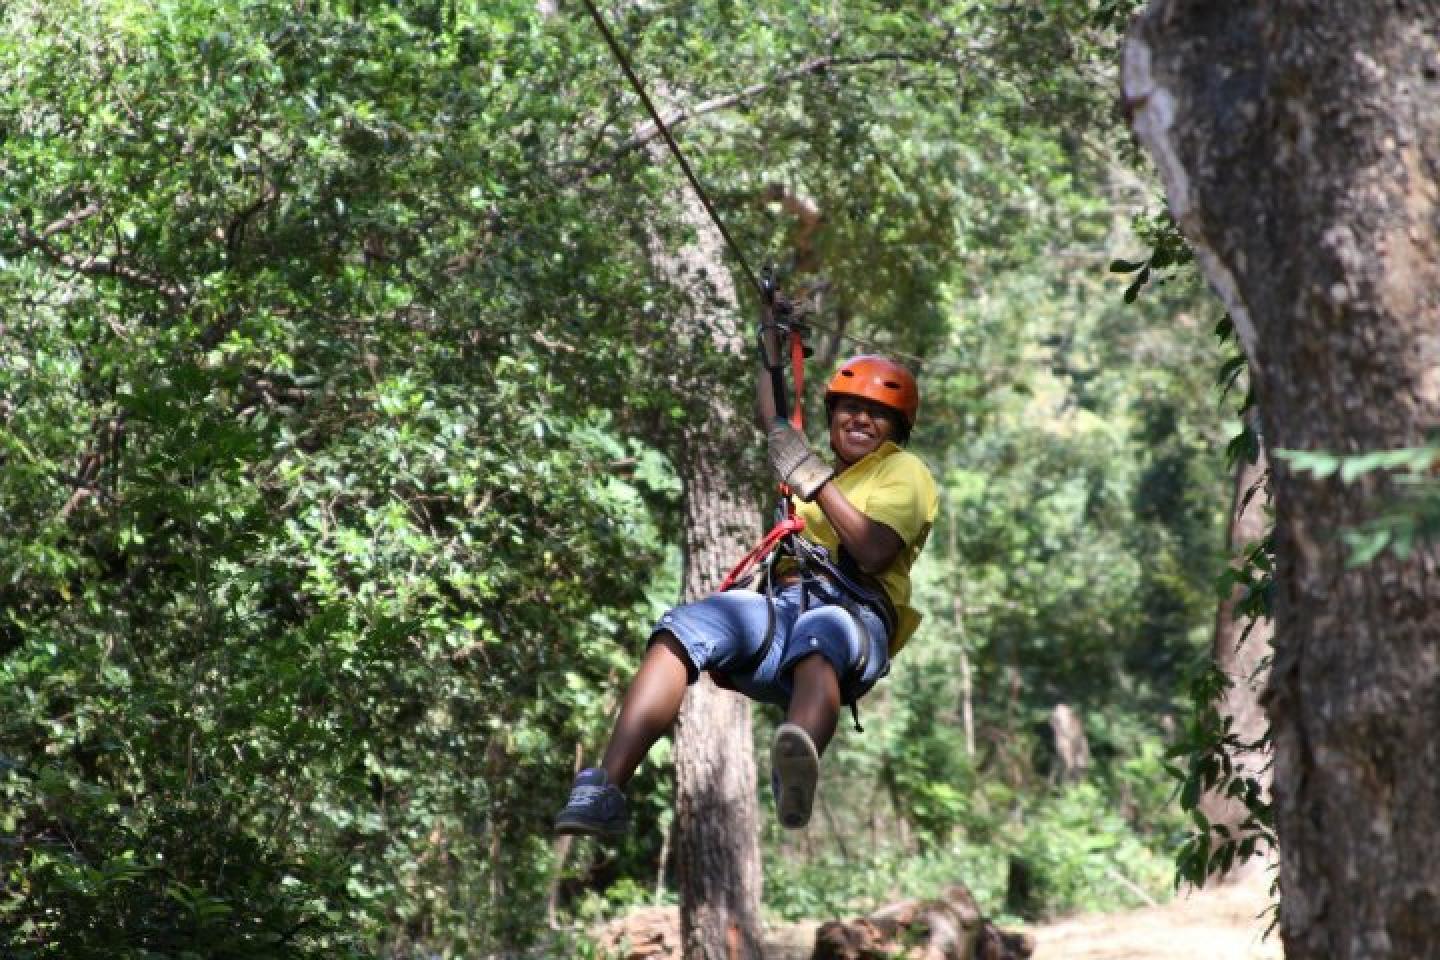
(810, 619)
(816, 624)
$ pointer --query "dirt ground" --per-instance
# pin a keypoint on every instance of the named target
(1225, 923)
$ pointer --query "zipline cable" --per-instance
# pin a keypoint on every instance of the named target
(762, 290)
(675, 149)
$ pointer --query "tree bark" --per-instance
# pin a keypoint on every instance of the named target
(1241, 656)
(1299, 143)
(716, 838)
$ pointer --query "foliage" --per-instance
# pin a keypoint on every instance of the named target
(829, 885)
(336, 416)
(1078, 855)
(295, 517)
(1208, 746)
(1080, 498)
(1204, 755)
(1168, 251)
(1409, 516)
(104, 884)
(1074, 850)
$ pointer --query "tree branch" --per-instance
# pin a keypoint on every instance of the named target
(94, 265)
(808, 220)
(235, 230)
(816, 65)
(580, 171)
(68, 221)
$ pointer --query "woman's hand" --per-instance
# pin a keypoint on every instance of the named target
(794, 463)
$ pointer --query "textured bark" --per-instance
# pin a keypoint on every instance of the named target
(717, 854)
(1072, 747)
(1241, 656)
(1299, 143)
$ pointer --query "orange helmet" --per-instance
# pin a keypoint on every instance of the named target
(880, 379)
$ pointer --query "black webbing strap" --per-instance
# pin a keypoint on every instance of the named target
(767, 580)
(854, 590)
(847, 590)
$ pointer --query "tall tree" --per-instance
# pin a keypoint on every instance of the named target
(1300, 148)
(717, 845)
(1241, 650)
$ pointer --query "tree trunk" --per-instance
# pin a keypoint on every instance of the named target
(1072, 747)
(715, 834)
(716, 839)
(1241, 656)
(1299, 144)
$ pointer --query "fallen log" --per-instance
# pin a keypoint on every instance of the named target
(948, 928)
(651, 933)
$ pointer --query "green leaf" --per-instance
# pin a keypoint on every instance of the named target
(1318, 464)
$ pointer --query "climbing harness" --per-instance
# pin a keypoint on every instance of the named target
(839, 582)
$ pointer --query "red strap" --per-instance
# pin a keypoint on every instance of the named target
(781, 530)
(792, 523)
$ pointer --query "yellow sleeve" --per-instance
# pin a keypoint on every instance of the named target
(903, 497)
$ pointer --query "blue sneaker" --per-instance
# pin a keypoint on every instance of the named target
(596, 808)
(794, 771)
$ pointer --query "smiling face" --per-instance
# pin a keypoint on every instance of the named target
(858, 427)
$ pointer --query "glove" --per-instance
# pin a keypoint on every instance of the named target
(794, 463)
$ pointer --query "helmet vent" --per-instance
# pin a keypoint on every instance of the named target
(892, 384)
(847, 373)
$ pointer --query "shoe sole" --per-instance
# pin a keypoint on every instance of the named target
(796, 766)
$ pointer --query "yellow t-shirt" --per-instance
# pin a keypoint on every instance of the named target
(893, 487)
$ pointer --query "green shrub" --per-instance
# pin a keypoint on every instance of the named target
(1080, 855)
(830, 886)
(95, 881)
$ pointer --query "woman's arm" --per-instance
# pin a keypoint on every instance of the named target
(873, 545)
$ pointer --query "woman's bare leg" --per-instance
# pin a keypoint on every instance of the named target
(650, 707)
(815, 702)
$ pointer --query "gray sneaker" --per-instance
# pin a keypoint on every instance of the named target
(794, 771)
(596, 808)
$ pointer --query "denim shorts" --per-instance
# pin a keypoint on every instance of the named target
(725, 629)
